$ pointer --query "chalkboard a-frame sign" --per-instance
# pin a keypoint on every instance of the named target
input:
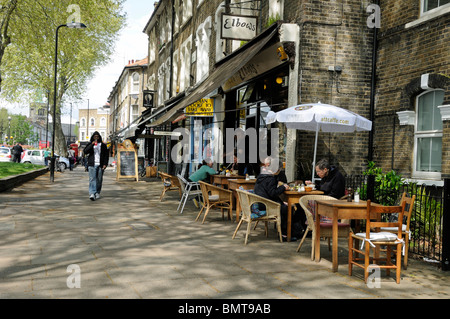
(127, 165)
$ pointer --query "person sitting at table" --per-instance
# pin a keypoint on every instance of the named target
(202, 174)
(268, 186)
(332, 181)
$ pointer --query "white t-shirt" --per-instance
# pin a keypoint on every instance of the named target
(97, 149)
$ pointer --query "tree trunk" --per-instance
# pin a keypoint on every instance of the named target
(5, 15)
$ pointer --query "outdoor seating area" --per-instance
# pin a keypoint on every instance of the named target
(327, 219)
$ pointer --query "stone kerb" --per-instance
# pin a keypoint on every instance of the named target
(8, 183)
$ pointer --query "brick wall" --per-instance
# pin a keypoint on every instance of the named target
(334, 33)
(404, 55)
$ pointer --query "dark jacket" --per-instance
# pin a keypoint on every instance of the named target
(89, 152)
(333, 184)
(267, 186)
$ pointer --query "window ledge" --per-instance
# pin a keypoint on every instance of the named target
(429, 15)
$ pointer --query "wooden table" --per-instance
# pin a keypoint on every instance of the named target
(292, 198)
(222, 180)
(337, 209)
(234, 184)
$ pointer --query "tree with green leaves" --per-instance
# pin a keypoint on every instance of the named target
(28, 65)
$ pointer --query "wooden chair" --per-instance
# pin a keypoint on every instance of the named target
(171, 183)
(188, 189)
(215, 197)
(376, 239)
(247, 199)
(308, 204)
(409, 203)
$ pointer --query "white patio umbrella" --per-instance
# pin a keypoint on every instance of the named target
(320, 117)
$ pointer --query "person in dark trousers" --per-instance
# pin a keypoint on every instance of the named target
(17, 151)
(332, 182)
(97, 162)
(268, 186)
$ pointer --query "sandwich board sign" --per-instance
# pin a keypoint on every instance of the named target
(127, 163)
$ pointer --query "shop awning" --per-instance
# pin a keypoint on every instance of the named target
(224, 70)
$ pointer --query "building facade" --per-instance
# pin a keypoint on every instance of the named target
(126, 102)
(413, 90)
(91, 120)
(386, 62)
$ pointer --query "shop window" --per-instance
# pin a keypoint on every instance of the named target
(428, 135)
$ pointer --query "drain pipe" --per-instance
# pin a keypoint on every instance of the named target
(372, 88)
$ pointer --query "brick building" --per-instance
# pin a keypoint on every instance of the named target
(331, 57)
(413, 89)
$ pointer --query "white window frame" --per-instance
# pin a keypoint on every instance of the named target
(439, 7)
(424, 134)
(134, 112)
(428, 15)
(135, 83)
(187, 10)
(203, 35)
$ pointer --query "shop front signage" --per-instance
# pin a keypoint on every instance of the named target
(203, 107)
(264, 61)
(238, 27)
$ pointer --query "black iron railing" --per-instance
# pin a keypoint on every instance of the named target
(427, 224)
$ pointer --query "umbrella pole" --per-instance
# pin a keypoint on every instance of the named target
(315, 152)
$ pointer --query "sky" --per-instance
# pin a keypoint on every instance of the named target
(132, 44)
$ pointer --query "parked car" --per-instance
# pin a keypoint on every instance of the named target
(5, 154)
(37, 157)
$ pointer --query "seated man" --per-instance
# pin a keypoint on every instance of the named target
(332, 181)
(203, 173)
(267, 186)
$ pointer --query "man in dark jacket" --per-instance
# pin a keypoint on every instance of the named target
(17, 152)
(97, 162)
(332, 181)
(267, 186)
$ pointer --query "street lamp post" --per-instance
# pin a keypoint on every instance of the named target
(76, 25)
(9, 130)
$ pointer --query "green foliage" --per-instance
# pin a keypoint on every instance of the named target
(387, 185)
(28, 64)
(272, 20)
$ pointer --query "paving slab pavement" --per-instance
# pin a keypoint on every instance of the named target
(58, 244)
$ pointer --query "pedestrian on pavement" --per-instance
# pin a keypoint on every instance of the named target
(17, 151)
(71, 153)
(46, 156)
(97, 161)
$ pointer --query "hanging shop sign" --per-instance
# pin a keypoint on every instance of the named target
(238, 27)
(203, 108)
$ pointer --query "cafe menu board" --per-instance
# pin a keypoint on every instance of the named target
(127, 164)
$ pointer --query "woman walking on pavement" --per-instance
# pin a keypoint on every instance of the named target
(97, 161)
